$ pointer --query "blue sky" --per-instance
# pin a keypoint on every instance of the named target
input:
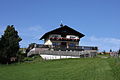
(99, 20)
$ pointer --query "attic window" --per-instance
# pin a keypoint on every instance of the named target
(64, 31)
(55, 36)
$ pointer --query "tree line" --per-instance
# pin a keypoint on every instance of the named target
(9, 45)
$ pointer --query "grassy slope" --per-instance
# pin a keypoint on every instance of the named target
(68, 69)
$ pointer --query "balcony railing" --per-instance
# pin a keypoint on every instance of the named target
(75, 48)
(64, 48)
(63, 39)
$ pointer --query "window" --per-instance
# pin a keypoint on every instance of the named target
(71, 44)
(64, 31)
(55, 36)
(55, 43)
(72, 37)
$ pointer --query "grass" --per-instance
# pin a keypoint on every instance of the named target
(64, 69)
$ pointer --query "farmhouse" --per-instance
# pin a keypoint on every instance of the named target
(64, 36)
(62, 42)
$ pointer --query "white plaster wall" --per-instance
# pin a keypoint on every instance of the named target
(47, 57)
(32, 49)
(48, 42)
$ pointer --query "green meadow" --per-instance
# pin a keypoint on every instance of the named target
(64, 69)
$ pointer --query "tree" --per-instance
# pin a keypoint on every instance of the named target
(119, 52)
(104, 52)
(9, 44)
(110, 50)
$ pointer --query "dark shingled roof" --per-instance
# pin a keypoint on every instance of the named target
(63, 30)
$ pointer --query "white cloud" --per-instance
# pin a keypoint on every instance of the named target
(28, 34)
(33, 31)
(36, 31)
(102, 43)
(31, 35)
(35, 28)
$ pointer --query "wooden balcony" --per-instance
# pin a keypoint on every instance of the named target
(75, 48)
(64, 48)
(63, 39)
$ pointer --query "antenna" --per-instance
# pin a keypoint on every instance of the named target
(61, 21)
(61, 24)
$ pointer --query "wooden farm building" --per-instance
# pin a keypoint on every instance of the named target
(64, 36)
(62, 42)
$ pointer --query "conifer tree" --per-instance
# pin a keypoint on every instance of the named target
(110, 50)
(119, 52)
(9, 44)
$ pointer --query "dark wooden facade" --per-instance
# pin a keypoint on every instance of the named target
(62, 36)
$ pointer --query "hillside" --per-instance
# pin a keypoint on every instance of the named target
(65, 69)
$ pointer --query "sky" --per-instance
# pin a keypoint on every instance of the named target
(99, 20)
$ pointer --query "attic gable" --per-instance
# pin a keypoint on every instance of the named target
(63, 30)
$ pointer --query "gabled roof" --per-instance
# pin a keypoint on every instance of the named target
(63, 30)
